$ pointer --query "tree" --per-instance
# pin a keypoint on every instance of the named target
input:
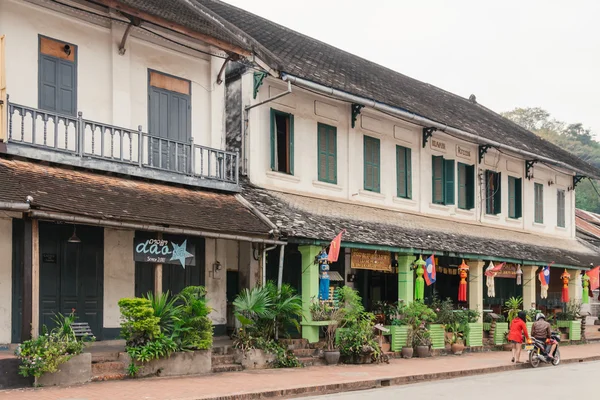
(574, 138)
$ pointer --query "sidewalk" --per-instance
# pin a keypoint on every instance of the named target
(290, 382)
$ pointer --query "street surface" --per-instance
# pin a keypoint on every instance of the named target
(545, 382)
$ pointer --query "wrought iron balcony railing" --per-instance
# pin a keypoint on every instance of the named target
(127, 149)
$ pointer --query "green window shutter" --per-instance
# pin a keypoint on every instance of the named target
(470, 187)
(498, 194)
(511, 197)
(291, 144)
(462, 185)
(371, 164)
(376, 166)
(327, 153)
(408, 174)
(561, 218)
(448, 181)
(332, 155)
(539, 203)
(403, 172)
(322, 152)
(273, 130)
(437, 189)
(518, 198)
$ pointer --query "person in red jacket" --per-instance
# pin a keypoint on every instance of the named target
(515, 335)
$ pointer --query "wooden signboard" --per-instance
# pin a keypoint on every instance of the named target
(371, 259)
(507, 271)
(160, 251)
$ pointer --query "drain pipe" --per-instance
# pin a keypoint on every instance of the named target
(264, 263)
(280, 275)
(247, 119)
(426, 122)
(14, 206)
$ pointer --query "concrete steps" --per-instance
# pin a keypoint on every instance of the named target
(294, 344)
(223, 360)
(108, 366)
(226, 368)
(312, 361)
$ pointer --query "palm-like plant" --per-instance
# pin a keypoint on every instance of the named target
(165, 308)
(252, 305)
(286, 307)
(513, 306)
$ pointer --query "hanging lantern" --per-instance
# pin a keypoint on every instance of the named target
(565, 290)
(490, 275)
(519, 275)
(544, 277)
(585, 296)
(323, 276)
(462, 286)
(420, 282)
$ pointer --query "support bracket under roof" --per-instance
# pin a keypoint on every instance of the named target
(576, 180)
(259, 77)
(427, 133)
(528, 168)
(356, 109)
(483, 148)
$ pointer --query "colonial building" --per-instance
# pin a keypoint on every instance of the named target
(115, 178)
(331, 142)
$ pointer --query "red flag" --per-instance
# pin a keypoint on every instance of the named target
(334, 247)
(594, 275)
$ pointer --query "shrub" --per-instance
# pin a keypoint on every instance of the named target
(358, 338)
(513, 306)
(193, 326)
(165, 309)
(139, 324)
(444, 310)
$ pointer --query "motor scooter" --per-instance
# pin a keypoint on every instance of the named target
(537, 351)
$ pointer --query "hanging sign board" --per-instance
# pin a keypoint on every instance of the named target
(370, 259)
(161, 251)
(507, 271)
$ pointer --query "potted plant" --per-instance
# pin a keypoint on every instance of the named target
(407, 349)
(332, 354)
(513, 306)
(506, 346)
(422, 342)
(457, 337)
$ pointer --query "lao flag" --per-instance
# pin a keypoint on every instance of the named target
(594, 275)
(334, 247)
(545, 276)
(430, 270)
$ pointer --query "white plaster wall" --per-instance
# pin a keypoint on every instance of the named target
(309, 109)
(5, 279)
(119, 273)
(226, 252)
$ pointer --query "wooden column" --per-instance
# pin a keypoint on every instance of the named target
(158, 274)
(31, 268)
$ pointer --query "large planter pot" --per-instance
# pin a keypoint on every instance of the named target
(457, 348)
(423, 351)
(438, 336)
(407, 352)
(332, 357)
(76, 371)
(254, 359)
(386, 347)
(178, 364)
(563, 324)
(507, 347)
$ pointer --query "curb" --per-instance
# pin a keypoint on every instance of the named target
(381, 382)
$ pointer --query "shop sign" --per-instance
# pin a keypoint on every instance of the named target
(372, 260)
(463, 152)
(507, 271)
(49, 258)
(161, 251)
(438, 145)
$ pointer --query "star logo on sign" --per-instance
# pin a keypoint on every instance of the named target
(180, 253)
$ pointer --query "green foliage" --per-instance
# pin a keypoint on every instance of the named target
(444, 310)
(139, 324)
(284, 358)
(165, 309)
(571, 313)
(160, 346)
(321, 311)
(421, 337)
(572, 137)
(193, 329)
(513, 306)
(358, 338)
(388, 310)
(46, 352)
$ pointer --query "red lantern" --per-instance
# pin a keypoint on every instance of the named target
(565, 290)
(462, 286)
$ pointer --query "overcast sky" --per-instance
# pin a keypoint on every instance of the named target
(526, 53)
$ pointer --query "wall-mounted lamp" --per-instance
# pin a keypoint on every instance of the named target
(67, 49)
(74, 238)
(550, 182)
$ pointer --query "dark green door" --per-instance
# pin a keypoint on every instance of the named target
(72, 274)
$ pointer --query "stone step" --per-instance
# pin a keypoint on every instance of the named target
(226, 368)
(305, 352)
(223, 360)
(104, 356)
(312, 361)
(109, 370)
(294, 344)
(223, 350)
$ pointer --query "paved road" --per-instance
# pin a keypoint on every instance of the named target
(548, 383)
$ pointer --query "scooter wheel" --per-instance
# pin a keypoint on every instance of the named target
(556, 360)
(534, 360)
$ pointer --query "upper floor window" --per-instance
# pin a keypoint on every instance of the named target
(403, 172)
(443, 180)
(327, 153)
(538, 189)
(560, 206)
(493, 192)
(515, 198)
(57, 76)
(466, 186)
(282, 142)
(372, 164)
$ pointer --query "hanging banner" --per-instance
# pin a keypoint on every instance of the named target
(372, 260)
(507, 271)
(162, 251)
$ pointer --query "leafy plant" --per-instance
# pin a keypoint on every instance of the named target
(139, 324)
(284, 358)
(321, 311)
(165, 309)
(336, 318)
(573, 309)
(193, 328)
(358, 339)
(421, 337)
(513, 306)
(387, 310)
(444, 310)
(160, 346)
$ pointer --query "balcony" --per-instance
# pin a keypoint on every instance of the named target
(65, 139)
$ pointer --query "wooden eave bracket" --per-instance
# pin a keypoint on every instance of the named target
(259, 77)
(576, 180)
(427, 134)
(528, 168)
(356, 109)
(483, 148)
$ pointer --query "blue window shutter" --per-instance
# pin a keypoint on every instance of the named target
(449, 181)
(273, 140)
(291, 161)
(48, 83)
(437, 174)
(67, 88)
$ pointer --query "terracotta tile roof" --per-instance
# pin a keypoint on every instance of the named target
(312, 218)
(114, 198)
(300, 55)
